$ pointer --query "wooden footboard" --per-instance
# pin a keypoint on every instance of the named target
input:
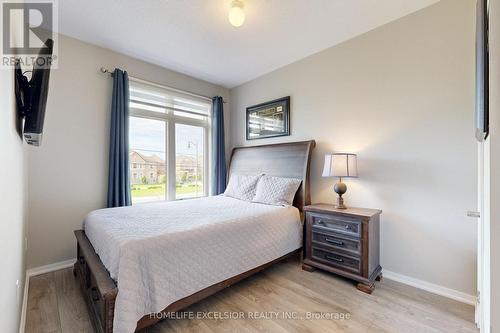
(100, 291)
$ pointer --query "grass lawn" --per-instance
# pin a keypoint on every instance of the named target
(147, 190)
(150, 190)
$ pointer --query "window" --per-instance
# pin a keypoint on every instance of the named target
(169, 138)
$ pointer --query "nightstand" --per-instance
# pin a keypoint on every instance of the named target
(344, 242)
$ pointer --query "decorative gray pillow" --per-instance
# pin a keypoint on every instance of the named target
(242, 186)
(276, 191)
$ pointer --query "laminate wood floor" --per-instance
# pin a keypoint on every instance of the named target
(293, 301)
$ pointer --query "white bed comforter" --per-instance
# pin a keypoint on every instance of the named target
(162, 252)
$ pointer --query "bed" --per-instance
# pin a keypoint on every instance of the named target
(164, 257)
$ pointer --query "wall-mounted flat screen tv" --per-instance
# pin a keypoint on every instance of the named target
(31, 95)
(482, 77)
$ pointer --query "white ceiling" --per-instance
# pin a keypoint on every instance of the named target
(194, 36)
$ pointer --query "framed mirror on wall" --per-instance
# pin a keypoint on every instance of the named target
(267, 120)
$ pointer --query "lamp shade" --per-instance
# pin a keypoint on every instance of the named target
(340, 165)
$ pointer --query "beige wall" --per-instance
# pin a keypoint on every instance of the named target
(68, 173)
(12, 207)
(402, 97)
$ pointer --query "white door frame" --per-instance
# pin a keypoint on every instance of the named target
(482, 313)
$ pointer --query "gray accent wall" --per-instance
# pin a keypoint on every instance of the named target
(401, 97)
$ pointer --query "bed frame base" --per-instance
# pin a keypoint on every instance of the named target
(100, 291)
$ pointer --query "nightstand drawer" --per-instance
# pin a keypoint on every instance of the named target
(341, 224)
(343, 242)
(351, 246)
(337, 260)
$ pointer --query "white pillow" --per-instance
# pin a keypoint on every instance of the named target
(276, 191)
(242, 186)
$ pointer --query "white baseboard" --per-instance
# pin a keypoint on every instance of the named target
(34, 272)
(22, 323)
(431, 287)
(50, 268)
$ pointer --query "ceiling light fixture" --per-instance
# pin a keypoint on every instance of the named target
(236, 14)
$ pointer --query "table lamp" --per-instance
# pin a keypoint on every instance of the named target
(340, 165)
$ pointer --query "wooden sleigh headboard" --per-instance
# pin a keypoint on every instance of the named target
(289, 159)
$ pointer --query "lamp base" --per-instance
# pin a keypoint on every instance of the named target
(340, 203)
(340, 188)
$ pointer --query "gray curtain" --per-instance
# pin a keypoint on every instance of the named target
(219, 150)
(119, 181)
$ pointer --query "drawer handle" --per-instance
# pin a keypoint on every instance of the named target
(334, 241)
(334, 258)
(94, 294)
(346, 227)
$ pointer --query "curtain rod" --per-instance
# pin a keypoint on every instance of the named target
(110, 73)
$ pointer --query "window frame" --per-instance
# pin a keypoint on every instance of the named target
(170, 119)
